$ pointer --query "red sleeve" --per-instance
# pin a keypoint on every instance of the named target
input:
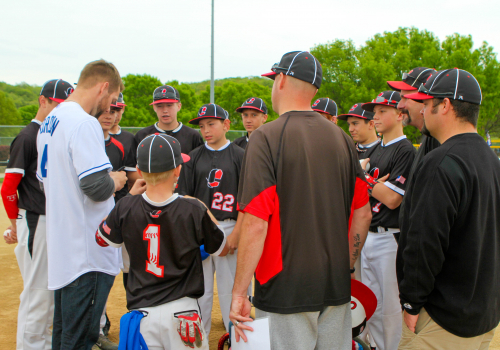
(263, 204)
(360, 194)
(9, 193)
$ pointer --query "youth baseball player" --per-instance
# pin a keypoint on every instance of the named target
(393, 157)
(212, 175)
(253, 114)
(125, 137)
(27, 216)
(362, 130)
(327, 108)
(167, 103)
(165, 278)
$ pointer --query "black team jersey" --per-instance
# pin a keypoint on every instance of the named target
(299, 174)
(365, 151)
(23, 160)
(396, 159)
(119, 157)
(213, 177)
(448, 258)
(127, 140)
(189, 138)
(163, 241)
(242, 141)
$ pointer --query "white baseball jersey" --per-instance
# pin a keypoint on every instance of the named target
(70, 146)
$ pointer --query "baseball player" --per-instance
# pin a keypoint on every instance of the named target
(327, 108)
(253, 114)
(362, 130)
(27, 216)
(74, 170)
(125, 137)
(165, 278)
(167, 103)
(390, 164)
(212, 175)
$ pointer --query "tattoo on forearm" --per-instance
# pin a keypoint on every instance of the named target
(355, 252)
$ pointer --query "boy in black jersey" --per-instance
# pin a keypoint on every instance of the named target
(253, 114)
(167, 103)
(212, 175)
(327, 108)
(390, 164)
(362, 129)
(163, 232)
(125, 137)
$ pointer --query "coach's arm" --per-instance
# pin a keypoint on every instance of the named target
(361, 219)
(101, 185)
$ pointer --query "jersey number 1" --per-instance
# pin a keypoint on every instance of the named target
(152, 234)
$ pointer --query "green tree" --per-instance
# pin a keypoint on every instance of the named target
(8, 112)
(21, 94)
(27, 113)
(138, 94)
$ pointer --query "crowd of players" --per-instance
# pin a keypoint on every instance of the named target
(294, 203)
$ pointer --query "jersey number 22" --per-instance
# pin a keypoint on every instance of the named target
(226, 206)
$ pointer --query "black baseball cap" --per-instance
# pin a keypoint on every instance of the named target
(325, 105)
(385, 98)
(412, 79)
(358, 112)
(57, 90)
(165, 94)
(299, 64)
(253, 103)
(456, 84)
(158, 153)
(119, 102)
(210, 110)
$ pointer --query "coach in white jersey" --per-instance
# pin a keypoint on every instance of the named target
(74, 170)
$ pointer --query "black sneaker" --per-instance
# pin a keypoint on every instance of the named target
(107, 326)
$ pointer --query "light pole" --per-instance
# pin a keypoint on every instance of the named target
(212, 98)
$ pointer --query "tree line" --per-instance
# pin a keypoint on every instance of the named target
(350, 74)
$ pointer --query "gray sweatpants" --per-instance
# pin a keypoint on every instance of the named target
(329, 329)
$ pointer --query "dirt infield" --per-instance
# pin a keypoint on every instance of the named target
(11, 285)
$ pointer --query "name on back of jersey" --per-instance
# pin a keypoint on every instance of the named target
(49, 125)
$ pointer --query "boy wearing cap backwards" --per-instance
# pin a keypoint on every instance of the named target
(327, 108)
(163, 232)
(125, 137)
(253, 114)
(447, 264)
(27, 217)
(212, 175)
(167, 103)
(390, 165)
(362, 130)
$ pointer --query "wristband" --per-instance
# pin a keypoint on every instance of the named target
(353, 269)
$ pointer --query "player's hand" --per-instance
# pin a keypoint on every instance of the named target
(120, 179)
(383, 178)
(240, 312)
(410, 320)
(139, 187)
(10, 235)
(232, 241)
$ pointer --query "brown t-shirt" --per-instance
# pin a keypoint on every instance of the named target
(298, 174)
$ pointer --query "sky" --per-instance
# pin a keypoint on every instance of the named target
(42, 40)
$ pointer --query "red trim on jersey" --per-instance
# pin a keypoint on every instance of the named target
(9, 194)
(119, 145)
(360, 197)
(267, 207)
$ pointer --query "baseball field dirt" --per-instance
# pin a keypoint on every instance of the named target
(11, 285)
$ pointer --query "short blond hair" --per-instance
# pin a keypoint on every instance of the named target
(98, 72)
(154, 179)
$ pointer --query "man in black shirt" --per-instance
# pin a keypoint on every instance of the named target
(167, 103)
(253, 114)
(163, 232)
(27, 216)
(448, 257)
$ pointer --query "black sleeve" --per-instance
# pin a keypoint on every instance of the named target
(401, 169)
(438, 194)
(185, 184)
(213, 237)
(20, 155)
(110, 229)
(98, 186)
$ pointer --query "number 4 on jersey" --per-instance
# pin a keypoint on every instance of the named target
(152, 234)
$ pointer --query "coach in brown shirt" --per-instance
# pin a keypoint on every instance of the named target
(295, 191)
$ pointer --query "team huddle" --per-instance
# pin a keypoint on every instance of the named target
(296, 207)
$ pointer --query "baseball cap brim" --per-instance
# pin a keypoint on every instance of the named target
(400, 85)
(322, 111)
(58, 100)
(366, 296)
(196, 121)
(345, 116)
(121, 104)
(419, 96)
(164, 101)
(270, 75)
(371, 105)
(117, 105)
(185, 157)
(239, 109)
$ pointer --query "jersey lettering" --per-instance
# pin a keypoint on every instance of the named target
(218, 198)
(229, 199)
(152, 234)
(376, 207)
(226, 205)
(43, 163)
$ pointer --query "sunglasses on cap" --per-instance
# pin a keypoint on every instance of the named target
(426, 91)
(381, 99)
(276, 66)
(405, 76)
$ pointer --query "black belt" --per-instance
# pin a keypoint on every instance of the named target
(375, 228)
